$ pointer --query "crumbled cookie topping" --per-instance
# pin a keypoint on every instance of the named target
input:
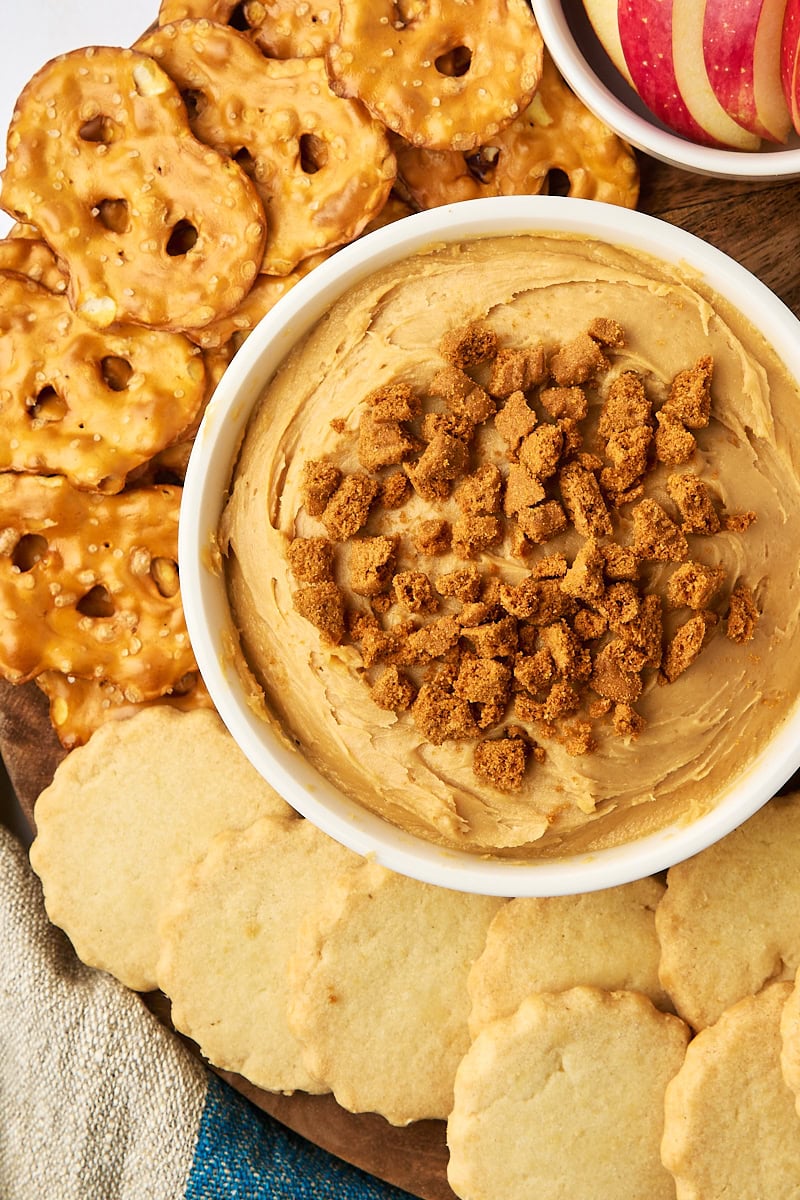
(506, 449)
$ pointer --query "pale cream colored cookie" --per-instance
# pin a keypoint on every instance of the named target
(226, 940)
(731, 1131)
(605, 938)
(790, 1041)
(563, 1100)
(380, 991)
(729, 920)
(124, 815)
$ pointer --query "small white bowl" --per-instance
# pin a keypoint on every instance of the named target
(588, 70)
(204, 594)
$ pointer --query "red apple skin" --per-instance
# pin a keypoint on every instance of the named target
(645, 30)
(741, 46)
(790, 56)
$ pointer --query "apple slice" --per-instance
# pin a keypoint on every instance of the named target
(790, 57)
(742, 51)
(662, 44)
(693, 81)
(602, 16)
(645, 34)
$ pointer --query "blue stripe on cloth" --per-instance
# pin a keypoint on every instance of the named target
(243, 1154)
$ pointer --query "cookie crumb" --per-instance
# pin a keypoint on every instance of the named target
(393, 691)
(655, 534)
(414, 591)
(501, 762)
(694, 503)
(693, 585)
(310, 559)
(515, 420)
(432, 537)
(372, 564)
(577, 361)
(743, 614)
(471, 344)
(323, 605)
(348, 508)
(319, 481)
(689, 399)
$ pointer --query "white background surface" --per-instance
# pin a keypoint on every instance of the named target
(36, 30)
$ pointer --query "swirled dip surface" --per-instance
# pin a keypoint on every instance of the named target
(701, 730)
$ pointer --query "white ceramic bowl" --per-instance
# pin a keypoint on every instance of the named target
(588, 70)
(204, 595)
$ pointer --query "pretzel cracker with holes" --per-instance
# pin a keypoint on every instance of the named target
(89, 404)
(322, 166)
(89, 585)
(447, 74)
(280, 28)
(80, 706)
(152, 226)
(556, 132)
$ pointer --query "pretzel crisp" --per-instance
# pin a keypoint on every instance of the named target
(80, 706)
(280, 28)
(447, 74)
(153, 226)
(85, 403)
(321, 165)
(556, 132)
(89, 585)
(33, 258)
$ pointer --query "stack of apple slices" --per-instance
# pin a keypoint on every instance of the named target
(725, 73)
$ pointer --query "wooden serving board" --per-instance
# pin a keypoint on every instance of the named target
(755, 223)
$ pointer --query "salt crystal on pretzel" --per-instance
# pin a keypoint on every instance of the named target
(153, 226)
(322, 166)
(556, 132)
(85, 403)
(444, 74)
(33, 258)
(89, 585)
(80, 706)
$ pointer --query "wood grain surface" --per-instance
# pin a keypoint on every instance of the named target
(757, 224)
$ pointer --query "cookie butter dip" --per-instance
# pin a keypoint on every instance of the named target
(509, 545)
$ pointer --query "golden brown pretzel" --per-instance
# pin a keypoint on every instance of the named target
(88, 404)
(80, 706)
(555, 132)
(447, 74)
(322, 166)
(288, 29)
(33, 258)
(89, 585)
(280, 28)
(153, 226)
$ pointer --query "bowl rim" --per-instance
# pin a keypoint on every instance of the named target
(207, 613)
(646, 133)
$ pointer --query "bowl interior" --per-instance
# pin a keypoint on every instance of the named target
(204, 595)
(583, 62)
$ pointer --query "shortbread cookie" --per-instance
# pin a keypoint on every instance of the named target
(226, 940)
(124, 815)
(729, 920)
(605, 938)
(730, 1129)
(790, 1041)
(563, 1100)
(380, 991)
